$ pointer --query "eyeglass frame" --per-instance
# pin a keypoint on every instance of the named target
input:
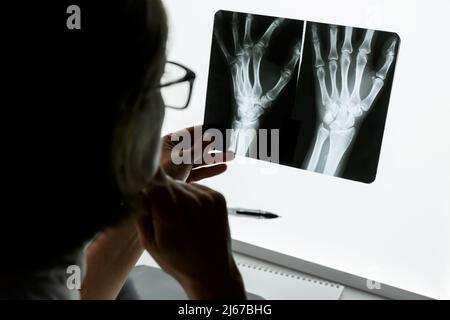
(189, 77)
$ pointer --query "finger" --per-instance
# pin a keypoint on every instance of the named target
(200, 143)
(366, 46)
(389, 59)
(346, 51)
(196, 152)
(257, 57)
(333, 57)
(333, 43)
(258, 52)
(265, 39)
(192, 129)
(319, 64)
(347, 45)
(187, 143)
(378, 81)
(213, 147)
(222, 46)
(219, 157)
(235, 30)
(361, 61)
(248, 42)
(173, 138)
(317, 47)
(213, 156)
(206, 172)
(286, 76)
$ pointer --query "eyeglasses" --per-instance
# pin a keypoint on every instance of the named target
(176, 85)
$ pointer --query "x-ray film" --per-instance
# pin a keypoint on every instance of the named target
(319, 92)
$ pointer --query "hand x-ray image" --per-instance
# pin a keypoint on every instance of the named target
(326, 88)
(342, 102)
(253, 75)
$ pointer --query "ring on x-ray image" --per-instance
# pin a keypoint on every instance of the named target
(341, 108)
(251, 102)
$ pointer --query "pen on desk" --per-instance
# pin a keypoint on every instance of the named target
(260, 214)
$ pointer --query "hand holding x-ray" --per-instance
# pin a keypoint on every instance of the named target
(251, 100)
(341, 106)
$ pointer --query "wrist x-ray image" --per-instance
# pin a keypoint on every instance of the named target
(326, 88)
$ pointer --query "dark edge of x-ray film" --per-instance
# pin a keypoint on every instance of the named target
(295, 112)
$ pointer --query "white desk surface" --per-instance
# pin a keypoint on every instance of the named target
(348, 293)
(396, 230)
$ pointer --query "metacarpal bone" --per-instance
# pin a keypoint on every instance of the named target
(222, 46)
(376, 88)
(361, 62)
(333, 66)
(246, 73)
(286, 76)
(257, 57)
(272, 94)
(345, 66)
(323, 86)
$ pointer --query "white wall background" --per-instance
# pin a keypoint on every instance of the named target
(396, 230)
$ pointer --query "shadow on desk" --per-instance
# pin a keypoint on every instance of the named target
(148, 283)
